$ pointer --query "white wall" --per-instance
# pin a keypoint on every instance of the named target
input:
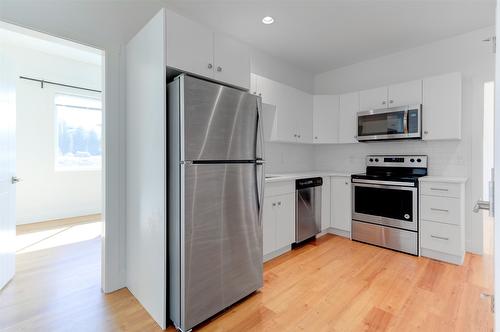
(106, 25)
(467, 54)
(46, 194)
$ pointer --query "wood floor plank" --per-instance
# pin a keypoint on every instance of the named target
(330, 284)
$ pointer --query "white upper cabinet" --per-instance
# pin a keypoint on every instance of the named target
(189, 45)
(193, 48)
(304, 116)
(442, 107)
(231, 61)
(408, 93)
(373, 99)
(348, 109)
(325, 118)
(293, 120)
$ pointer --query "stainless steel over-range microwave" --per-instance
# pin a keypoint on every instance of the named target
(403, 122)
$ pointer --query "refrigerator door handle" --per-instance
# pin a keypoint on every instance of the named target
(259, 140)
(260, 178)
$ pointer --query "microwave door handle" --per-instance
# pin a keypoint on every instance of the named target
(406, 123)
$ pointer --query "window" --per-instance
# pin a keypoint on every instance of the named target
(79, 132)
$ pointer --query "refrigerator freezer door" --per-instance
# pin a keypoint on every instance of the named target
(222, 238)
(220, 123)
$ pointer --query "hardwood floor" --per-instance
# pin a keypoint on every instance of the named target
(331, 284)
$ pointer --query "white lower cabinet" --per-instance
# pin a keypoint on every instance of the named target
(340, 205)
(442, 220)
(278, 219)
(325, 204)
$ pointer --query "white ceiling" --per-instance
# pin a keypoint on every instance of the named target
(29, 39)
(323, 35)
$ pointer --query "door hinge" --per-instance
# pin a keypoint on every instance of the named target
(493, 41)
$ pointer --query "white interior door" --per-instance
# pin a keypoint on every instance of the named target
(7, 168)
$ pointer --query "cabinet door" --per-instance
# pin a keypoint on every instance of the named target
(189, 45)
(373, 99)
(348, 109)
(408, 93)
(325, 204)
(269, 225)
(285, 221)
(231, 61)
(442, 107)
(286, 111)
(340, 188)
(304, 115)
(325, 118)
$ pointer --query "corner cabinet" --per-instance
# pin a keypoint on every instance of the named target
(193, 48)
(340, 205)
(293, 120)
(442, 107)
(325, 118)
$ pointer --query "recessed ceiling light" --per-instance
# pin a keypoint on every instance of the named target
(268, 20)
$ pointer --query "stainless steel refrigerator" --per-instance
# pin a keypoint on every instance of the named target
(215, 198)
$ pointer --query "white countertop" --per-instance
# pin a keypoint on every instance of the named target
(448, 179)
(278, 177)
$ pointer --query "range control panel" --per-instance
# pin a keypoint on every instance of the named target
(397, 161)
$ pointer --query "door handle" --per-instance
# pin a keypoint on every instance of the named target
(261, 180)
(15, 180)
(488, 205)
(481, 205)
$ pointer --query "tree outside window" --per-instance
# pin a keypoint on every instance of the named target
(79, 133)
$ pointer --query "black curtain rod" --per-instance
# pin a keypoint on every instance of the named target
(42, 82)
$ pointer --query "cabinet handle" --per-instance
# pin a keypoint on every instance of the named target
(210, 66)
(439, 189)
(384, 102)
(315, 137)
(274, 204)
(255, 92)
(279, 203)
(298, 136)
(440, 237)
(260, 94)
(391, 101)
(442, 210)
(426, 132)
(219, 69)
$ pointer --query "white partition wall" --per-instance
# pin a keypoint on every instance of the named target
(146, 177)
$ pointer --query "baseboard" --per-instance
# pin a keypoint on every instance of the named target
(441, 256)
(339, 232)
(277, 253)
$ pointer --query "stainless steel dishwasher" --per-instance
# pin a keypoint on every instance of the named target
(308, 208)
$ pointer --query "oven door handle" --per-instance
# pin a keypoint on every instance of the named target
(382, 184)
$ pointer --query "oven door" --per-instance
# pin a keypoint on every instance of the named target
(388, 205)
(390, 123)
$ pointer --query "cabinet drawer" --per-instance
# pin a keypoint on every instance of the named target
(279, 188)
(441, 237)
(440, 189)
(441, 209)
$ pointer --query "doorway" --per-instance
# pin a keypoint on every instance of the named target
(488, 162)
(57, 171)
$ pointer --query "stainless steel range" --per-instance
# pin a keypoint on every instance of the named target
(385, 202)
